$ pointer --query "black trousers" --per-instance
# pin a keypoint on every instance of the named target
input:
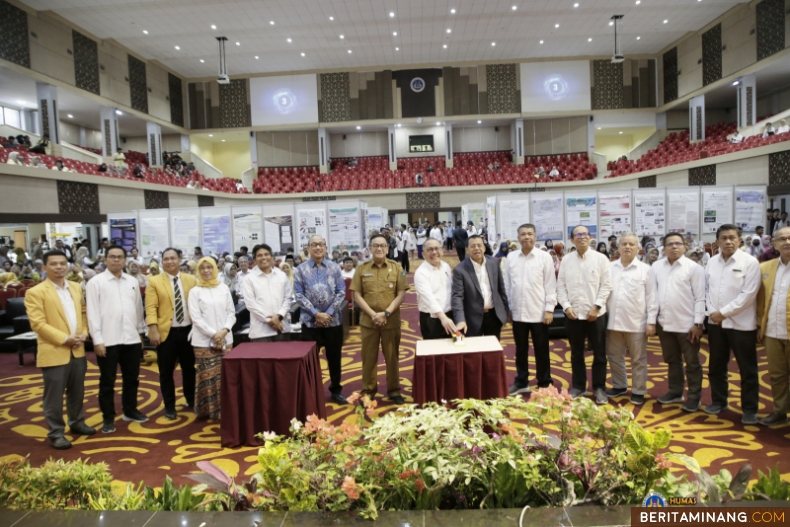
(540, 343)
(176, 349)
(331, 339)
(595, 332)
(404, 260)
(744, 346)
(449, 244)
(461, 251)
(128, 357)
(491, 326)
(431, 328)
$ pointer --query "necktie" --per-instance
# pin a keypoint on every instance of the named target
(179, 301)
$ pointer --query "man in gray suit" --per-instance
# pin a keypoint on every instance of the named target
(479, 299)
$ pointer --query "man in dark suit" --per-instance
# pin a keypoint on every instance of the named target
(479, 299)
(460, 240)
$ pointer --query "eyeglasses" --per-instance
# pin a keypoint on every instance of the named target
(580, 235)
(783, 239)
(431, 249)
(378, 246)
(673, 245)
(318, 244)
(115, 257)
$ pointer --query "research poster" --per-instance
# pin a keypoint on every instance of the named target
(582, 210)
(547, 217)
(493, 237)
(683, 213)
(344, 231)
(154, 237)
(247, 230)
(716, 209)
(123, 232)
(511, 215)
(649, 213)
(311, 222)
(615, 212)
(216, 234)
(186, 233)
(279, 233)
(749, 208)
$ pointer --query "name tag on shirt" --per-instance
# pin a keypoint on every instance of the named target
(369, 274)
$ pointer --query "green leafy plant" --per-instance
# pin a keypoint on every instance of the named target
(771, 486)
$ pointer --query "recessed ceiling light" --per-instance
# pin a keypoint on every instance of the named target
(452, 11)
(213, 26)
(271, 22)
(639, 38)
(118, 112)
(256, 57)
(599, 128)
(444, 46)
(665, 21)
(331, 18)
(394, 33)
(493, 43)
(359, 128)
(20, 102)
(398, 125)
(288, 40)
(223, 140)
(349, 51)
(71, 116)
(392, 15)
(638, 2)
(556, 26)
(342, 37)
(514, 7)
(734, 84)
(397, 49)
(145, 31)
(589, 40)
(211, 135)
(620, 132)
(575, 5)
(449, 30)
(201, 60)
(541, 42)
(238, 43)
(303, 54)
(178, 47)
(479, 122)
(611, 23)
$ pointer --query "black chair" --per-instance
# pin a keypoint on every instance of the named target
(15, 320)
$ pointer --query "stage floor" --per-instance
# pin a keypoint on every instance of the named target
(149, 451)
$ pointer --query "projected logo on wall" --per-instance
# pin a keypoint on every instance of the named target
(417, 85)
(284, 101)
(556, 87)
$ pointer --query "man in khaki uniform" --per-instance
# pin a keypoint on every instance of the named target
(379, 288)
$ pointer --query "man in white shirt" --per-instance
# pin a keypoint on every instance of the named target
(680, 298)
(733, 281)
(532, 291)
(105, 243)
(772, 318)
(583, 287)
(117, 324)
(241, 274)
(348, 269)
(134, 257)
(632, 298)
(433, 281)
(267, 295)
(436, 233)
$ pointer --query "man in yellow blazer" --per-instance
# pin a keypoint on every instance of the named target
(773, 320)
(57, 314)
(169, 325)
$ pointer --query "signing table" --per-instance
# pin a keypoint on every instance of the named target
(443, 370)
(265, 385)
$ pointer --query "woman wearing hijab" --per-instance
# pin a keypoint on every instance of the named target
(229, 276)
(769, 253)
(755, 248)
(555, 261)
(153, 268)
(213, 315)
(559, 250)
(82, 258)
(7, 279)
(504, 248)
(193, 267)
(652, 256)
(133, 268)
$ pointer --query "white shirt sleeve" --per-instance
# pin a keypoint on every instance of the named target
(562, 288)
(424, 291)
(248, 290)
(605, 288)
(93, 300)
(549, 285)
(230, 310)
(748, 295)
(199, 320)
(286, 305)
(650, 296)
(698, 292)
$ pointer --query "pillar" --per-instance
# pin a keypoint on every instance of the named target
(391, 147)
(154, 134)
(30, 121)
(448, 138)
(590, 136)
(518, 142)
(697, 118)
(661, 121)
(186, 145)
(323, 151)
(110, 140)
(83, 140)
(747, 101)
(48, 115)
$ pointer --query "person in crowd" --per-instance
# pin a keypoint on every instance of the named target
(320, 290)
(651, 257)
(603, 249)
(102, 168)
(422, 235)
(137, 171)
(29, 274)
(504, 248)
(83, 259)
(212, 313)
(433, 282)
(183, 268)
(783, 127)
(242, 273)
(39, 269)
(583, 287)
(436, 232)
(336, 257)
(773, 322)
(768, 251)
(555, 261)
(42, 146)
(554, 172)
(559, 250)
(733, 281)
(197, 254)
(8, 279)
(75, 274)
(16, 158)
(411, 242)
(680, 301)
(240, 186)
(105, 243)
(229, 277)
(267, 294)
(379, 288)
(62, 247)
(348, 270)
(632, 298)
(769, 130)
(153, 268)
(60, 167)
(133, 268)
(289, 272)
(531, 286)
(418, 179)
(169, 325)
(735, 137)
(297, 260)
(35, 162)
(119, 159)
(117, 325)
(448, 235)
(460, 238)
(392, 242)
(479, 299)
(56, 310)
(134, 256)
(192, 266)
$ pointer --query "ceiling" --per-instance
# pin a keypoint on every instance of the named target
(368, 28)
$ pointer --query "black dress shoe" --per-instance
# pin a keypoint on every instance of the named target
(339, 398)
(171, 414)
(398, 399)
(60, 443)
(83, 430)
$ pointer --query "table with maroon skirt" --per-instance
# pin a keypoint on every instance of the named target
(265, 385)
(443, 370)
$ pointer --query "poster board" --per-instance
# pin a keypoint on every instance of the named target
(345, 226)
(247, 226)
(123, 229)
(650, 212)
(547, 215)
(683, 212)
(278, 227)
(215, 230)
(581, 208)
(716, 208)
(311, 220)
(614, 213)
(493, 235)
(512, 212)
(185, 230)
(154, 233)
(750, 207)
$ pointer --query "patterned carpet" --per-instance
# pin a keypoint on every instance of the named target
(149, 451)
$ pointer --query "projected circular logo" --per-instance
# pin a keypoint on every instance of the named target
(417, 84)
(284, 101)
(556, 87)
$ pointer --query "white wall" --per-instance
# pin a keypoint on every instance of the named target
(481, 139)
(402, 141)
(358, 144)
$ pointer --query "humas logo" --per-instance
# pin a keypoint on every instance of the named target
(556, 87)
(284, 101)
(654, 499)
(417, 85)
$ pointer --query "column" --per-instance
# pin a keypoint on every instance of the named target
(747, 101)
(448, 138)
(110, 141)
(590, 136)
(661, 121)
(83, 141)
(518, 142)
(48, 115)
(186, 145)
(323, 151)
(154, 143)
(697, 118)
(30, 121)
(391, 147)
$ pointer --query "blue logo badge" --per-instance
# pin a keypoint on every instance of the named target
(417, 85)
(654, 499)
